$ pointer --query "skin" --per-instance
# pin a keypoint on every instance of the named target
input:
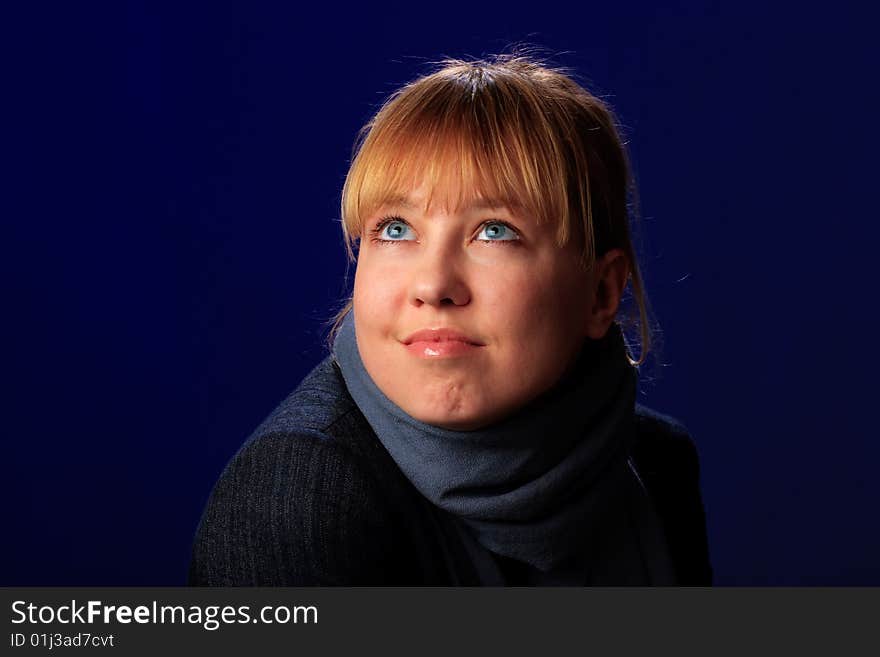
(525, 299)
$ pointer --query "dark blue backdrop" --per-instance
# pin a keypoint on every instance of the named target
(171, 247)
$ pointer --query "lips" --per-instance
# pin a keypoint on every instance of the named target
(441, 335)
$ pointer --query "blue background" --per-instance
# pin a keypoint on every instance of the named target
(171, 248)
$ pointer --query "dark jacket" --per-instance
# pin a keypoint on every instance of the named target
(313, 498)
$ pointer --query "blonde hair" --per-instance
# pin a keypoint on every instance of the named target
(519, 131)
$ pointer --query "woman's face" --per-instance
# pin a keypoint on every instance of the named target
(497, 278)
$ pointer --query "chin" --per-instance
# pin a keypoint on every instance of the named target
(447, 421)
(451, 426)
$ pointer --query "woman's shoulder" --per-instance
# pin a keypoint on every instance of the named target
(663, 442)
(667, 461)
(293, 505)
(653, 424)
(320, 417)
(319, 400)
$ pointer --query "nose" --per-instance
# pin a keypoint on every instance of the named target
(438, 281)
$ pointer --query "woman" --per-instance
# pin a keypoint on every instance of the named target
(475, 422)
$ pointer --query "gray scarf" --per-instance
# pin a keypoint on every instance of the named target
(550, 485)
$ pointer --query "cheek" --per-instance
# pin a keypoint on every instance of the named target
(376, 289)
(534, 305)
(539, 323)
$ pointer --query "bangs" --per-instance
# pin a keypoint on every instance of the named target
(464, 145)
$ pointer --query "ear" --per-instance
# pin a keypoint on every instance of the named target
(609, 279)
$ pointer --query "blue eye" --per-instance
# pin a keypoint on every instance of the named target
(496, 231)
(395, 230)
(499, 232)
